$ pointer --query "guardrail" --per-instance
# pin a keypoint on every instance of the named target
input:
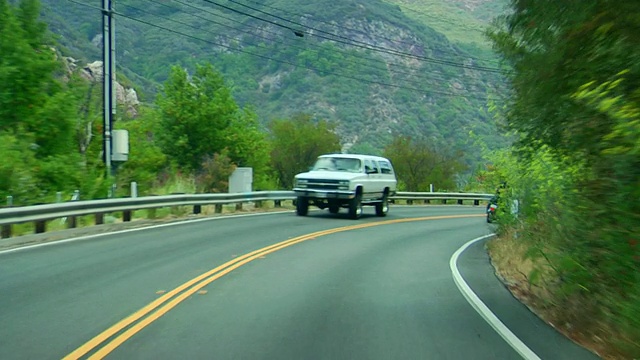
(40, 214)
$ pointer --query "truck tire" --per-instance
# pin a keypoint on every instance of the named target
(302, 206)
(334, 207)
(382, 208)
(355, 207)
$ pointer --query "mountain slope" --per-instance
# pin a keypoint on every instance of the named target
(365, 64)
(461, 21)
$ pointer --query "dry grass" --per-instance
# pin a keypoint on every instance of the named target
(152, 215)
(576, 318)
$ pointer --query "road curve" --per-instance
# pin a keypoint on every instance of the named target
(376, 291)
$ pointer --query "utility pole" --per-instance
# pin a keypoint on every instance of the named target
(108, 75)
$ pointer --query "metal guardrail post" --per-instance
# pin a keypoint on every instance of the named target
(72, 219)
(239, 206)
(459, 201)
(126, 215)
(197, 209)
(41, 226)
(73, 222)
(99, 218)
(277, 203)
(134, 189)
(6, 232)
(218, 208)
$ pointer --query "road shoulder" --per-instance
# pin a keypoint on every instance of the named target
(542, 338)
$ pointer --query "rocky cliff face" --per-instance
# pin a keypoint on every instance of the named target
(93, 72)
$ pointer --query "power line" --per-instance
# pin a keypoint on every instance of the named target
(292, 46)
(352, 42)
(372, 82)
(411, 75)
(335, 25)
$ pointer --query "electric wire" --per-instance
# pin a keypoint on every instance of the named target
(372, 82)
(335, 25)
(352, 42)
(413, 75)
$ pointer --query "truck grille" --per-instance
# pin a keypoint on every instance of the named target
(323, 184)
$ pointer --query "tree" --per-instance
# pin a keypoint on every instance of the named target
(146, 159)
(37, 111)
(419, 163)
(575, 104)
(249, 147)
(32, 100)
(554, 48)
(297, 142)
(195, 114)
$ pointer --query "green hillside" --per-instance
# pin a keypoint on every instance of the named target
(461, 21)
(373, 67)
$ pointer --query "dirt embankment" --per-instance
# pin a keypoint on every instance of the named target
(514, 269)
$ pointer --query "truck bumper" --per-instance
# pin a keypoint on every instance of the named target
(323, 194)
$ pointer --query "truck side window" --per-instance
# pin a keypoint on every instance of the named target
(370, 167)
(385, 167)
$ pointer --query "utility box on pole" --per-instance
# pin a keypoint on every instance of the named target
(241, 180)
(120, 145)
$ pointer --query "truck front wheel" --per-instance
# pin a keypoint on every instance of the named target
(302, 206)
(355, 207)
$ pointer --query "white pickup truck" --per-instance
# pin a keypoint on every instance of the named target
(346, 181)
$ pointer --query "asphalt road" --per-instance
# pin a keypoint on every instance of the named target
(381, 291)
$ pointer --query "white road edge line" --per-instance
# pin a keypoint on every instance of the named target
(483, 310)
(87, 237)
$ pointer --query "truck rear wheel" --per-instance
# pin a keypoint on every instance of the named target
(382, 208)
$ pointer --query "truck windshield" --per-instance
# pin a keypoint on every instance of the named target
(338, 164)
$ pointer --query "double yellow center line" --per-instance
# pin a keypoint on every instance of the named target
(126, 328)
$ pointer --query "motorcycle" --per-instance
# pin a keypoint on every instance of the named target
(491, 212)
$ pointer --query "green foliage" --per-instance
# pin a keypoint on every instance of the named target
(459, 24)
(249, 147)
(291, 75)
(297, 142)
(40, 126)
(577, 166)
(16, 169)
(198, 118)
(419, 163)
(535, 44)
(146, 159)
(194, 114)
(31, 100)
